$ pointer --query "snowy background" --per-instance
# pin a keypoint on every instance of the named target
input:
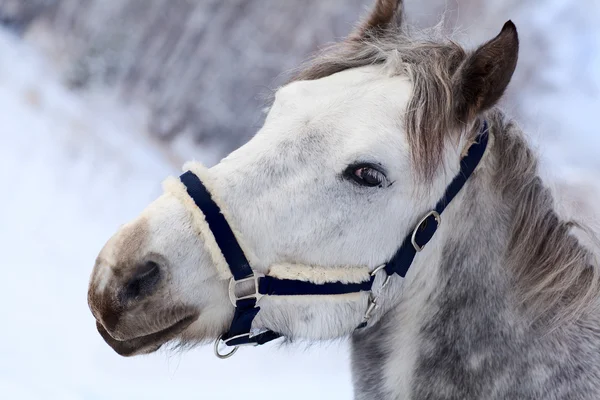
(100, 100)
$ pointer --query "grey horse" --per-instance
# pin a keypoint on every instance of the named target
(500, 304)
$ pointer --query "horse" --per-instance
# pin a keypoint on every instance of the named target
(389, 200)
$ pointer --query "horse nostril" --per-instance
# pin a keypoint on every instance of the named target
(143, 282)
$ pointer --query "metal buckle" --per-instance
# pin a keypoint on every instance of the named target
(438, 219)
(232, 286)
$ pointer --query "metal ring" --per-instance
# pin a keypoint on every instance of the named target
(223, 356)
(387, 277)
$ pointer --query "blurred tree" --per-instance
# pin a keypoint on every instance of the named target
(18, 14)
(203, 67)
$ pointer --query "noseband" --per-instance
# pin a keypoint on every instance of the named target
(246, 307)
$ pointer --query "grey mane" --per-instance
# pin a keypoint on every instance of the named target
(556, 277)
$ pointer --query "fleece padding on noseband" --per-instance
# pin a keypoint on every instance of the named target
(174, 187)
(320, 275)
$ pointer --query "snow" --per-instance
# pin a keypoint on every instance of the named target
(73, 169)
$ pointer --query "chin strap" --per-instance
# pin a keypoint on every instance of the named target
(246, 307)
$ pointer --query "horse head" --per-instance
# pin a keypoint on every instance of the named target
(353, 153)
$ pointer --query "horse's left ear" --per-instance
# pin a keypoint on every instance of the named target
(482, 78)
(385, 16)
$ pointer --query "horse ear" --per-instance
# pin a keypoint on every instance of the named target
(482, 78)
(386, 15)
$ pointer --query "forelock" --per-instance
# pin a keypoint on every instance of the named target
(428, 59)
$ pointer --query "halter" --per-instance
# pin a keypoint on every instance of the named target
(246, 307)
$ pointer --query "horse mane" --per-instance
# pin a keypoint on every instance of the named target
(556, 278)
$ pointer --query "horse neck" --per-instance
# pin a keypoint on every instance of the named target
(458, 307)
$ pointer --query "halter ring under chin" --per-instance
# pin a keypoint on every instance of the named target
(223, 356)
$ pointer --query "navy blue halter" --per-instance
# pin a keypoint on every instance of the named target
(246, 307)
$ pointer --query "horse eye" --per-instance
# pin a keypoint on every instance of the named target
(366, 175)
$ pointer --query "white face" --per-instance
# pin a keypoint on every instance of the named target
(293, 195)
(288, 188)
